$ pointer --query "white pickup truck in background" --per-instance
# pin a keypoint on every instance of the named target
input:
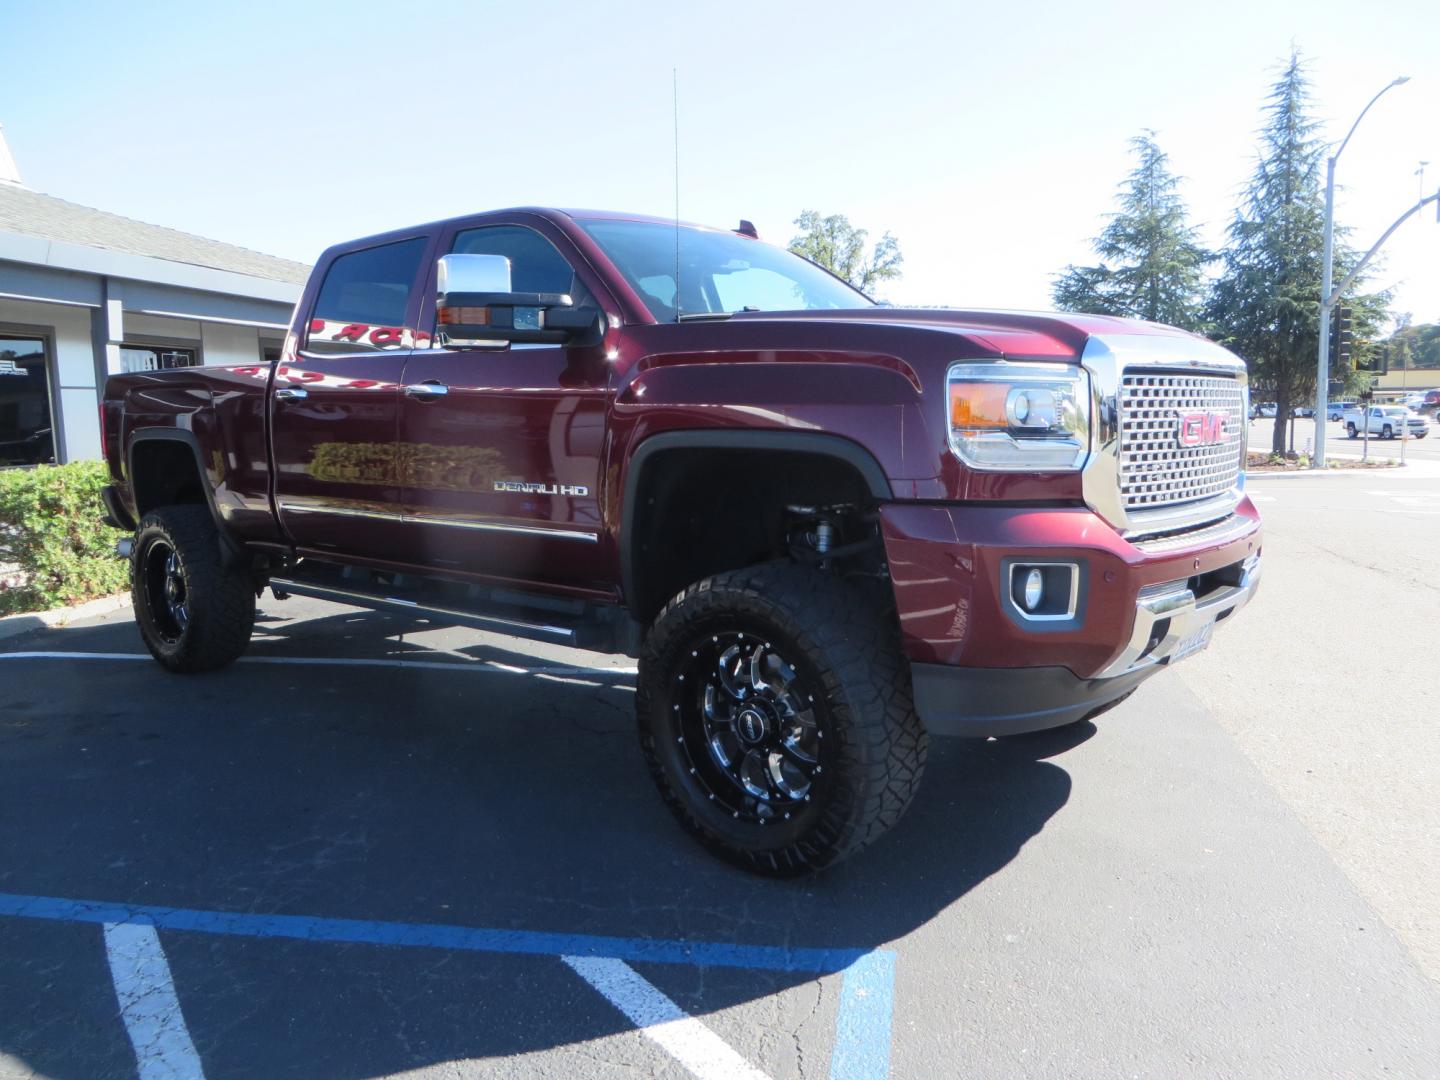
(1386, 421)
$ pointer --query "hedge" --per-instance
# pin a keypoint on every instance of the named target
(50, 527)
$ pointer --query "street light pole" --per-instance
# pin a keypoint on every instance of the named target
(1322, 365)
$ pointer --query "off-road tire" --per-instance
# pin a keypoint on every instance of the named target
(846, 655)
(220, 600)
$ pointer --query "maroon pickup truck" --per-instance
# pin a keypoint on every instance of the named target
(827, 528)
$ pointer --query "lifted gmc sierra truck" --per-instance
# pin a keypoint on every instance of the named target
(828, 529)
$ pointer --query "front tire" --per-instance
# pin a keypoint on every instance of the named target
(1387, 432)
(194, 613)
(776, 719)
(1350, 430)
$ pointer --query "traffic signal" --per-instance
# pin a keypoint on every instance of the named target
(1342, 336)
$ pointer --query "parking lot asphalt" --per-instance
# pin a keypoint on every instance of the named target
(379, 866)
(1328, 681)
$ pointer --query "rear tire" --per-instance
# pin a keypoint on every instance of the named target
(775, 716)
(194, 613)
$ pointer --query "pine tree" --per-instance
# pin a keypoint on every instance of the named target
(1151, 266)
(1266, 302)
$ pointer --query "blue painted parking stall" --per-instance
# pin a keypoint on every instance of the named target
(152, 1007)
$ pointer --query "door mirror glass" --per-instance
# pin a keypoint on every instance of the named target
(475, 308)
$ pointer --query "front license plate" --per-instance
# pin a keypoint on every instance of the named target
(1196, 642)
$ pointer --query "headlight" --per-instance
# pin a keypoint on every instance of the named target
(1017, 417)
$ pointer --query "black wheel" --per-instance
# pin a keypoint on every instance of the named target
(194, 614)
(1387, 432)
(1350, 430)
(775, 716)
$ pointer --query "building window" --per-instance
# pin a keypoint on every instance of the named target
(27, 432)
(155, 357)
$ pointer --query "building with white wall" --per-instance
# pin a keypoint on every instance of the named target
(85, 293)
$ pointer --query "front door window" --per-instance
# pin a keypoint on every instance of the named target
(27, 435)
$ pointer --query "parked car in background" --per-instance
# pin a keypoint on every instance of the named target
(1432, 397)
(1386, 421)
(1266, 409)
(1336, 409)
(1302, 411)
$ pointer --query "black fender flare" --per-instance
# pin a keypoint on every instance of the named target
(230, 551)
(817, 443)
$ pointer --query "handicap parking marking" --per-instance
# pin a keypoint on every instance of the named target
(863, 1022)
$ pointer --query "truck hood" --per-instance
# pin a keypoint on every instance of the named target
(1038, 335)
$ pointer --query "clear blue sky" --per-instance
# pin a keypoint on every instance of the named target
(987, 138)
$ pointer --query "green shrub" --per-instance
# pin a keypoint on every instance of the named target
(50, 527)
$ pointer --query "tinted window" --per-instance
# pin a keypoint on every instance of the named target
(362, 303)
(155, 357)
(26, 437)
(535, 265)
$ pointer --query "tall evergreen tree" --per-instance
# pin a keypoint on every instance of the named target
(1267, 300)
(1151, 266)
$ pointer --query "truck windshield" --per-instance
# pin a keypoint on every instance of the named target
(720, 272)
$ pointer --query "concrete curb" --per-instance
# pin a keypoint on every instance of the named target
(1411, 470)
(14, 625)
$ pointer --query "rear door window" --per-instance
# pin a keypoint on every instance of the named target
(365, 298)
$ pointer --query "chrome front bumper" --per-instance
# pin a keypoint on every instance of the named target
(1170, 619)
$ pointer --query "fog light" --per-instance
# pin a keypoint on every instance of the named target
(1034, 589)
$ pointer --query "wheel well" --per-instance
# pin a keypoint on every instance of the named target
(701, 511)
(163, 472)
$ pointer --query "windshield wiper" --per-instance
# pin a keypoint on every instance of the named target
(703, 315)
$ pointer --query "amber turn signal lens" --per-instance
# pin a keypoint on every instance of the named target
(978, 406)
(464, 316)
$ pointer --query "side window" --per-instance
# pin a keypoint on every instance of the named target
(362, 302)
(535, 265)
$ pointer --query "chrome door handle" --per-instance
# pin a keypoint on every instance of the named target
(426, 390)
(291, 393)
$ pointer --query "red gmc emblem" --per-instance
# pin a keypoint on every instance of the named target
(1202, 428)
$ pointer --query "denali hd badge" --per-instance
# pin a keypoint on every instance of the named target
(526, 488)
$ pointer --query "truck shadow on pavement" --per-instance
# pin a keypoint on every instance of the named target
(476, 798)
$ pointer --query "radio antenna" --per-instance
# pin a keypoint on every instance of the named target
(675, 108)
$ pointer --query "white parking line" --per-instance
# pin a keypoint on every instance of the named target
(148, 1005)
(659, 1019)
(482, 667)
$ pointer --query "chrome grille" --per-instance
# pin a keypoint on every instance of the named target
(1155, 469)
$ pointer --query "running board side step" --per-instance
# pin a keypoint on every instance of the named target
(585, 628)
